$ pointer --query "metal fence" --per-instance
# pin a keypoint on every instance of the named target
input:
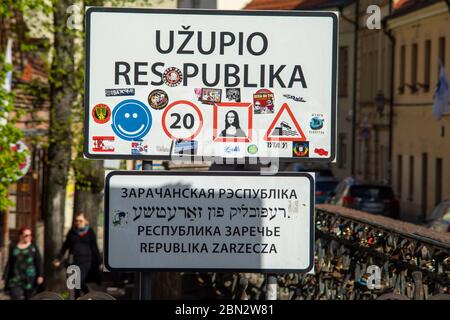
(408, 262)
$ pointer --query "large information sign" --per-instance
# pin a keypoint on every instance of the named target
(210, 84)
(209, 221)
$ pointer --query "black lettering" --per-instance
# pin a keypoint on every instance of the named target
(224, 44)
(276, 75)
(234, 75)
(241, 43)
(122, 73)
(200, 43)
(262, 72)
(246, 83)
(249, 43)
(185, 42)
(217, 76)
(138, 73)
(187, 74)
(301, 77)
(157, 73)
(158, 42)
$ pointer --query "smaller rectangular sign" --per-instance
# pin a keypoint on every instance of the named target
(233, 221)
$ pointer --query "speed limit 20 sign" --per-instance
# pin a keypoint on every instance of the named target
(228, 84)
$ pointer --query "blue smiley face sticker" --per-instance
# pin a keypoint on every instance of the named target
(131, 120)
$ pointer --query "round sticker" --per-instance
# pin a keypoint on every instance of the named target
(131, 120)
(300, 149)
(182, 120)
(252, 149)
(172, 76)
(158, 99)
(101, 113)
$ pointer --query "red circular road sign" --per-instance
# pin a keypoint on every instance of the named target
(186, 126)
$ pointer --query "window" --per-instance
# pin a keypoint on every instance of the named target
(414, 68)
(402, 69)
(427, 65)
(438, 180)
(399, 175)
(411, 178)
(442, 50)
(424, 183)
(343, 72)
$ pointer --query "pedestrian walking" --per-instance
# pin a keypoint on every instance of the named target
(23, 272)
(81, 242)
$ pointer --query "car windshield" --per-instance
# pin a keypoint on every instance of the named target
(323, 173)
(326, 186)
(364, 191)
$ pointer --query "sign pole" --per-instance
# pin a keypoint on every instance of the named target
(145, 278)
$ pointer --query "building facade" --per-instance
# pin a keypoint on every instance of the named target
(421, 146)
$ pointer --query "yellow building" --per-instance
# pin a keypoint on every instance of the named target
(372, 161)
(421, 143)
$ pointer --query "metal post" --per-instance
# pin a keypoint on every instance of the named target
(145, 278)
(271, 291)
(354, 102)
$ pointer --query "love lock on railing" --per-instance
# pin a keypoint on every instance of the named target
(359, 256)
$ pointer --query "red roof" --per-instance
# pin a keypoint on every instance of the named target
(296, 4)
(273, 4)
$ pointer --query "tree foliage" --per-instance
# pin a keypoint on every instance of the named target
(11, 27)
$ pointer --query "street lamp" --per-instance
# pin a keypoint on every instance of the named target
(379, 102)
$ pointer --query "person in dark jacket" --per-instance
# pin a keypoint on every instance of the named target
(23, 273)
(81, 242)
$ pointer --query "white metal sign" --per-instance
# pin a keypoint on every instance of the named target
(228, 84)
(209, 221)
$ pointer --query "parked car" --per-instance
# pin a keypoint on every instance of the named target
(376, 199)
(324, 188)
(440, 218)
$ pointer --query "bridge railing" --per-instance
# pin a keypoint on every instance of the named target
(359, 256)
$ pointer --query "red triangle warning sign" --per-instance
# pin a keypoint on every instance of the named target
(284, 127)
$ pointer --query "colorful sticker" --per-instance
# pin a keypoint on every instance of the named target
(158, 99)
(277, 145)
(103, 143)
(316, 122)
(298, 99)
(232, 122)
(172, 76)
(231, 149)
(211, 96)
(131, 120)
(185, 147)
(119, 92)
(263, 102)
(198, 93)
(233, 94)
(138, 147)
(321, 152)
(101, 113)
(252, 149)
(300, 149)
(284, 127)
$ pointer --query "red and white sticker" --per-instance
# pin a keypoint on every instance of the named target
(232, 122)
(103, 144)
(182, 120)
(284, 127)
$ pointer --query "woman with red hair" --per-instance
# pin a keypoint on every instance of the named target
(23, 273)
